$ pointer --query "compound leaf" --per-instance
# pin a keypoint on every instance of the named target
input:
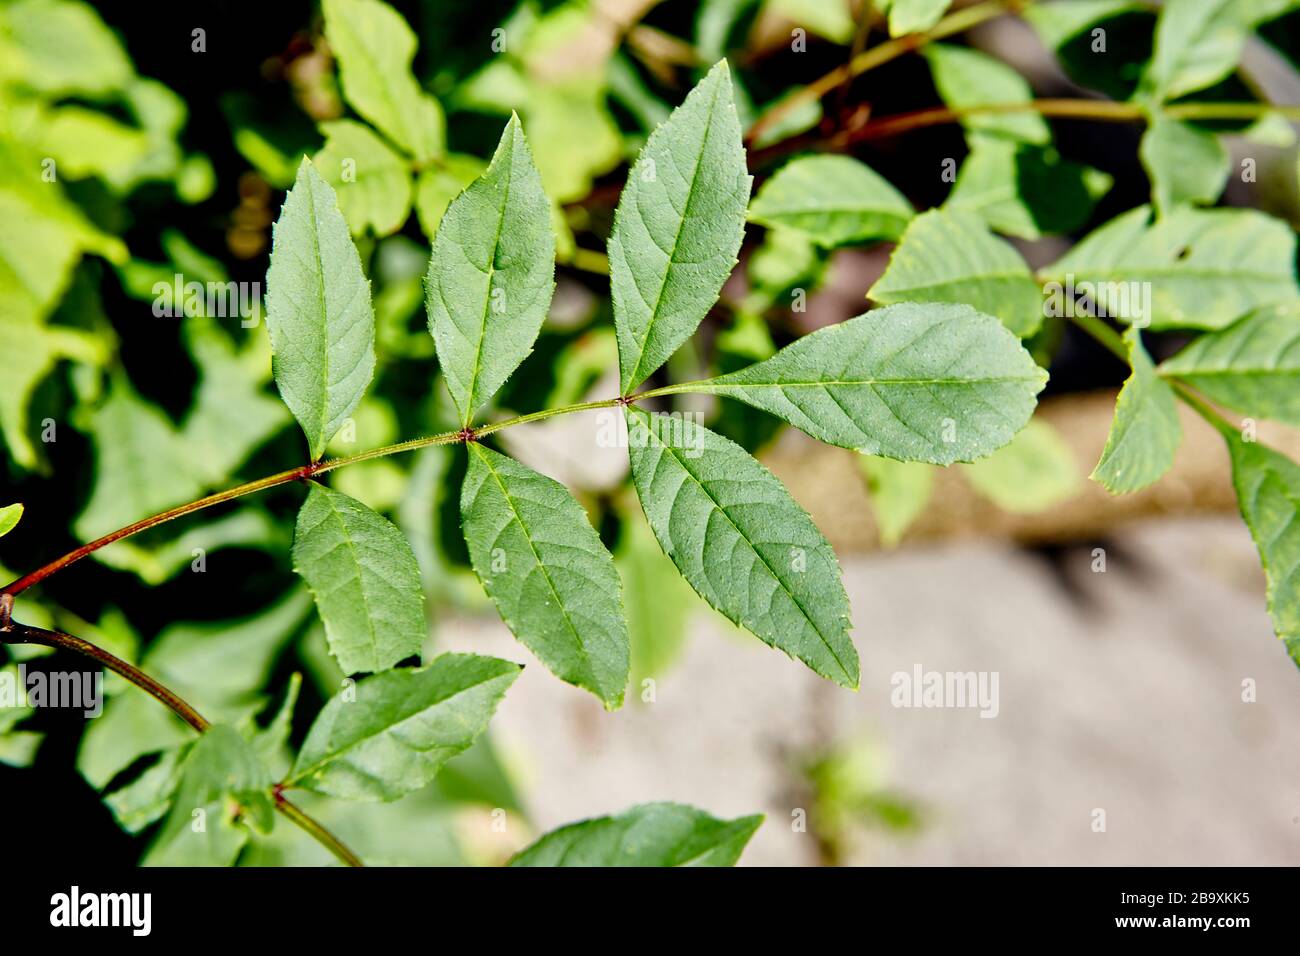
(936, 383)
(742, 542)
(1184, 163)
(391, 733)
(318, 310)
(652, 834)
(365, 579)
(545, 568)
(491, 275)
(678, 227)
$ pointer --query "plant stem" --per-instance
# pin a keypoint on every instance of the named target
(1103, 334)
(282, 478)
(313, 826)
(878, 55)
(14, 632)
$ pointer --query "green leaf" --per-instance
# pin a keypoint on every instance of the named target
(827, 18)
(373, 182)
(949, 256)
(936, 383)
(912, 16)
(652, 834)
(544, 566)
(967, 78)
(223, 780)
(1185, 164)
(86, 142)
(1063, 20)
(1199, 268)
(1252, 365)
(61, 48)
(374, 48)
(742, 542)
(491, 275)
(145, 799)
(899, 493)
(834, 200)
(1033, 473)
(437, 186)
(1199, 42)
(365, 580)
(141, 464)
(678, 227)
(318, 310)
(10, 515)
(1025, 190)
(1268, 492)
(659, 603)
(391, 734)
(1146, 431)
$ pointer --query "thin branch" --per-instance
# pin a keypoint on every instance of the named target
(282, 478)
(878, 55)
(14, 632)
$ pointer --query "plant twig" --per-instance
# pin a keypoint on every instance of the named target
(282, 478)
(14, 632)
(878, 55)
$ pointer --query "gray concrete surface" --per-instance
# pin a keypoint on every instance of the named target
(1129, 701)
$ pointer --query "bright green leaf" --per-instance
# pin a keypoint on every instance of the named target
(1252, 365)
(491, 275)
(223, 779)
(374, 47)
(912, 16)
(1033, 473)
(373, 182)
(652, 834)
(391, 734)
(60, 48)
(678, 227)
(365, 580)
(547, 571)
(10, 515)
(659, 603)
(834, 200)
(950, 256)
(1063, 20)
(899, 492)
(438, 185)
(1184, 163)
(1199, 42)
(742, 542)
(1268, 492)
(967, 78)
(1193, 268)
(1146, 431)
(936, 383)
(318, 310)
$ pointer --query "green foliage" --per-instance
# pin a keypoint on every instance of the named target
(544, 566)
(1253, 365)
(10, 515)
(491, 275)
(652, 834)
(365, 580)
(949, 256)
(937, 383)
(833, 200)
(1146, 431)
(391, 733)
(899, 493)
(1032, 473)
(318, 310)
(678, 226)
(742, 542)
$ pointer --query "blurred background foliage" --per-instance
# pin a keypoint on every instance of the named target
(134, 149)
